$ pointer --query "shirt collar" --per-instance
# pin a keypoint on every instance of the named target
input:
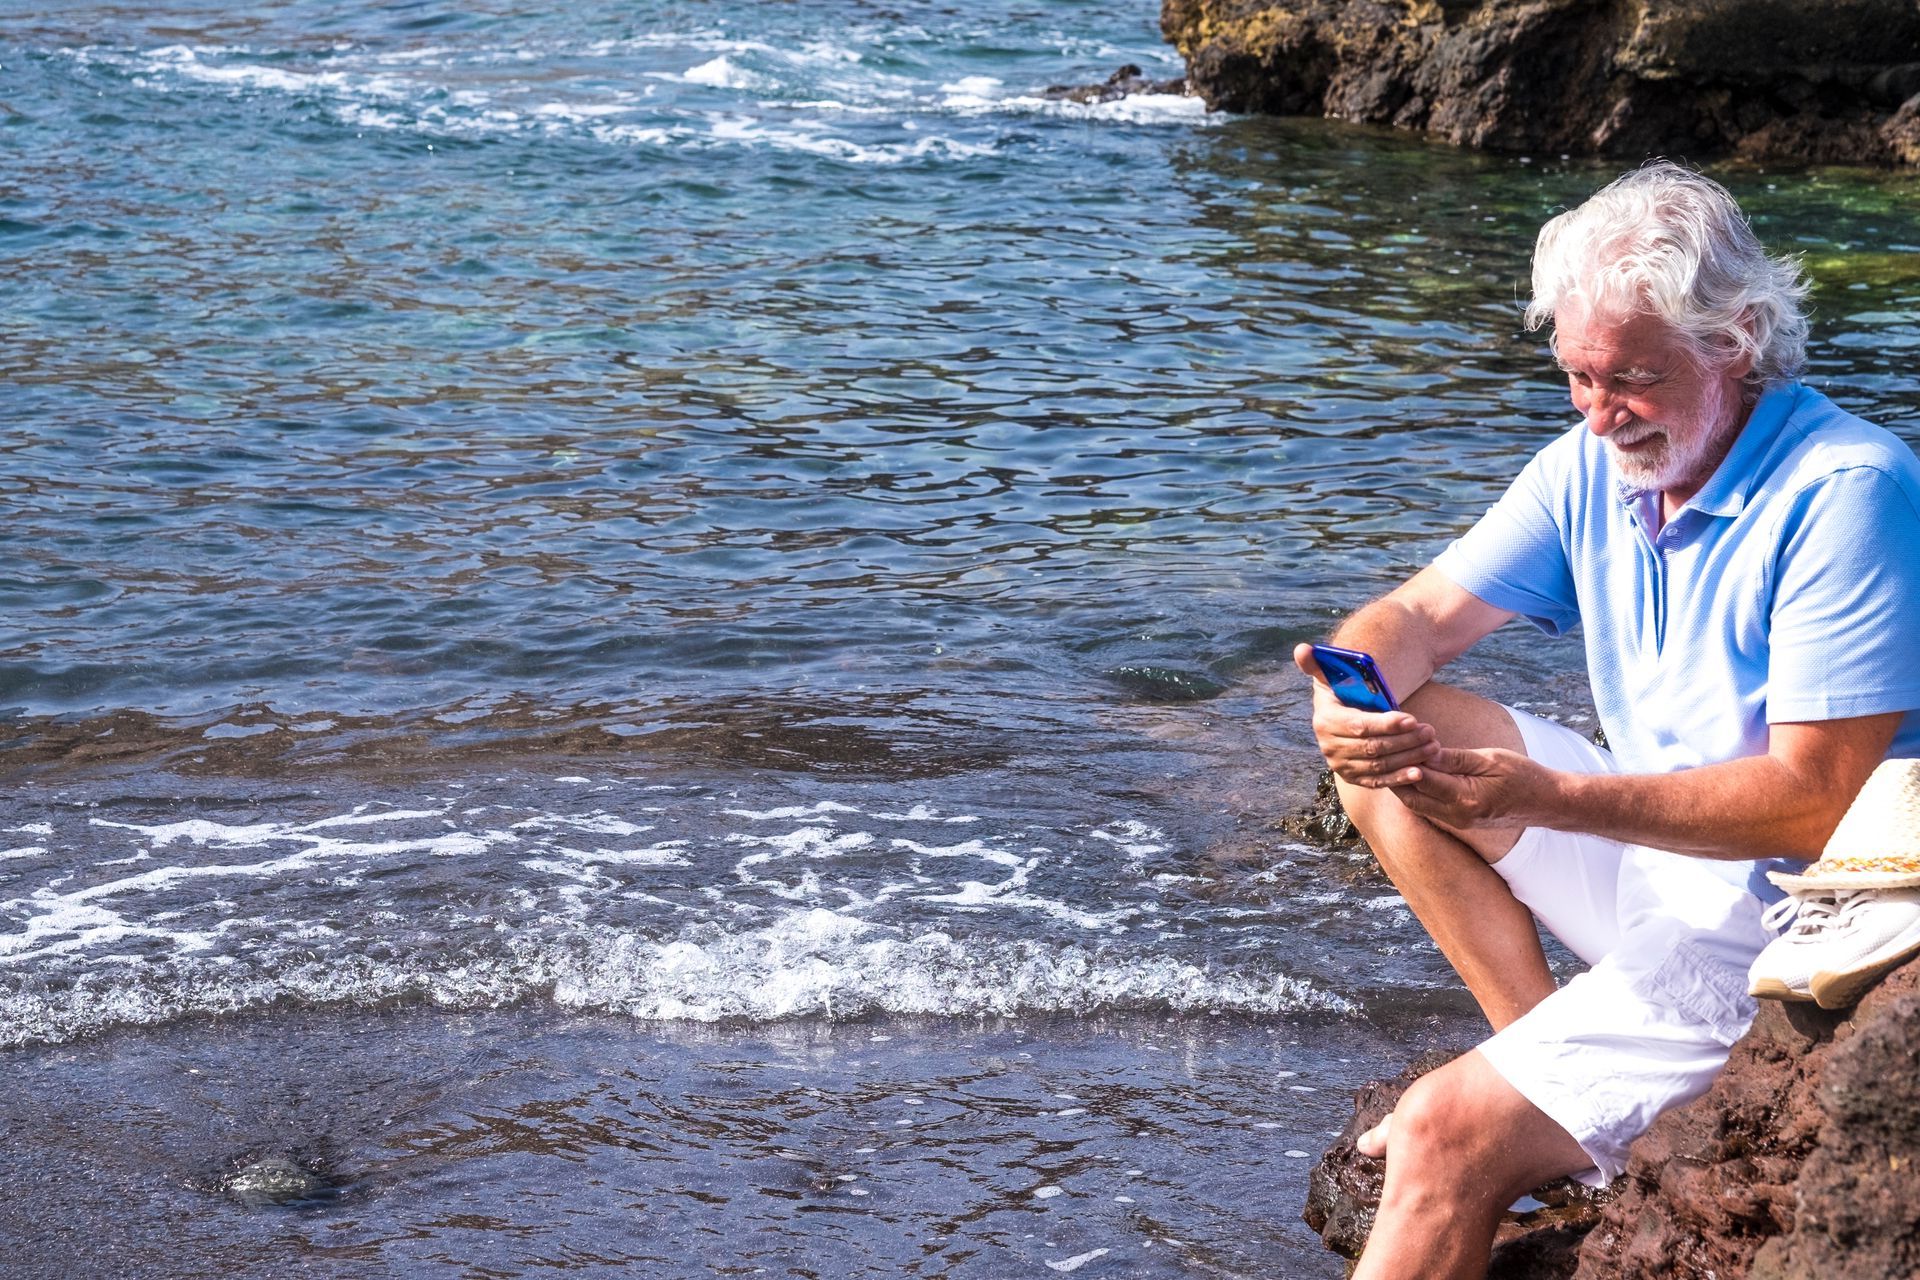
(1726, 491)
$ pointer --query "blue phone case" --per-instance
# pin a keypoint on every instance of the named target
(1354, 678)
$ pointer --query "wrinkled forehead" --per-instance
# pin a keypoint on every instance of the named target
(1592, 338)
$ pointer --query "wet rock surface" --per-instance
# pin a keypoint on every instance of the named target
(1124, 83)
(276, 1181)
(1324, 822)
(1831, 82)
(1799, 1164)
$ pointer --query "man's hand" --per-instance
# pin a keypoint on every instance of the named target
(1366, 748)
(1465, 789)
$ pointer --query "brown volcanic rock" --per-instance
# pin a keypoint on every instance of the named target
(1782, 79)
(1801, 1163)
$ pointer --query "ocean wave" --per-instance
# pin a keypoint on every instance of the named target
(818, 98)
(808, 964)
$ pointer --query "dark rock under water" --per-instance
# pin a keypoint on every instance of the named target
(1833, 82)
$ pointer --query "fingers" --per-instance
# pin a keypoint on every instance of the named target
(1459, 760)
(1373, 750)
(1396, 769)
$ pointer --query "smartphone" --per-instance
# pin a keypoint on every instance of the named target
(1354, 678)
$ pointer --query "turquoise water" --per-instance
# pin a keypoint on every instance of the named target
(727, 532)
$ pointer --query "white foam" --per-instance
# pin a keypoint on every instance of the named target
(668, 853)
(803, 139)
(23, 851)
(973, 895)
(924, 813)
(576, 112)
(359, 817)
(970, 849)
(34, 829)
(598, 823)
(1078, 1260)
(720, 73)
(1136, 839)
(980, 87)
(201, 831)
(792, 811)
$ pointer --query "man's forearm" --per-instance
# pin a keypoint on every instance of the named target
(1757, 807)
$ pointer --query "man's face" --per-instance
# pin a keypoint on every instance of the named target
(1667, 418)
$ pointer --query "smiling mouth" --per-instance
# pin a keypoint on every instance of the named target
(1636, 442)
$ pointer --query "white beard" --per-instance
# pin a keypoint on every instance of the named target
(1663, 465)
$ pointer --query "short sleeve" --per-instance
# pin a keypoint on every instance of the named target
(1515, 557)
(1845, 613)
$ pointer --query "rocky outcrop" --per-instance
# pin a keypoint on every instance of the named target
(1799, 1164)
(1826, 81)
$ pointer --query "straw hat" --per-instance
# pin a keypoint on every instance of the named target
(1877, 845)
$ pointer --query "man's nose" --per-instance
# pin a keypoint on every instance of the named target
(1606, 413)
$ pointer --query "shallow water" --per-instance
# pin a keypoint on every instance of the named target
(516, 1142)
(689, 534)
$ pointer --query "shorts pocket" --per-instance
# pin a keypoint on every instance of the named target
(1692, 982)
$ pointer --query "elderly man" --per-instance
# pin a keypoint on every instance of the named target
(1743, 558)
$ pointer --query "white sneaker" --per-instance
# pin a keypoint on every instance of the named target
(1784, 968)
(1876, 930)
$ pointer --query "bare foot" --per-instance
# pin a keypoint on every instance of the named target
(1373, 1143)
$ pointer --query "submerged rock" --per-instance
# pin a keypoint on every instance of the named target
(1164, 684)
(1830, 82)
(275, 1180)
(1799, 1164)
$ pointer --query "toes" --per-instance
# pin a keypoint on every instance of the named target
(1373, 1142)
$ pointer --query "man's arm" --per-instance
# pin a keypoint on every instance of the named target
(1412, 632)
(1418, 628)
(1781, 804)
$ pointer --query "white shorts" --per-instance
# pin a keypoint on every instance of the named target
(1648, 1026)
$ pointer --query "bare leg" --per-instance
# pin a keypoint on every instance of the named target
(1467, 1145)
(1445, 875)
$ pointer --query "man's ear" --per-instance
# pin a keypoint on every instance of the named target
(1742, 362)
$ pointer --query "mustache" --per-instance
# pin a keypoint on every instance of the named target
(1638, 433)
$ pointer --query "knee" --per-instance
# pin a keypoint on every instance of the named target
(1429, 1122)
(1454, 1139)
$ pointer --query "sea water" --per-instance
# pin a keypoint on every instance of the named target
(656, 634)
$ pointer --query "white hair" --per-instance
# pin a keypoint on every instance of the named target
(1669, 242)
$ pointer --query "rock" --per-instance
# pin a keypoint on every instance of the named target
(1124, 83)
(1324, 822)
(275, 1180)
(1164, 684)
(1799, 1164)
(1765, 79)
(1344, 1189)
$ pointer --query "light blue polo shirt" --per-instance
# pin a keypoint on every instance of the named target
(1786, 590)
